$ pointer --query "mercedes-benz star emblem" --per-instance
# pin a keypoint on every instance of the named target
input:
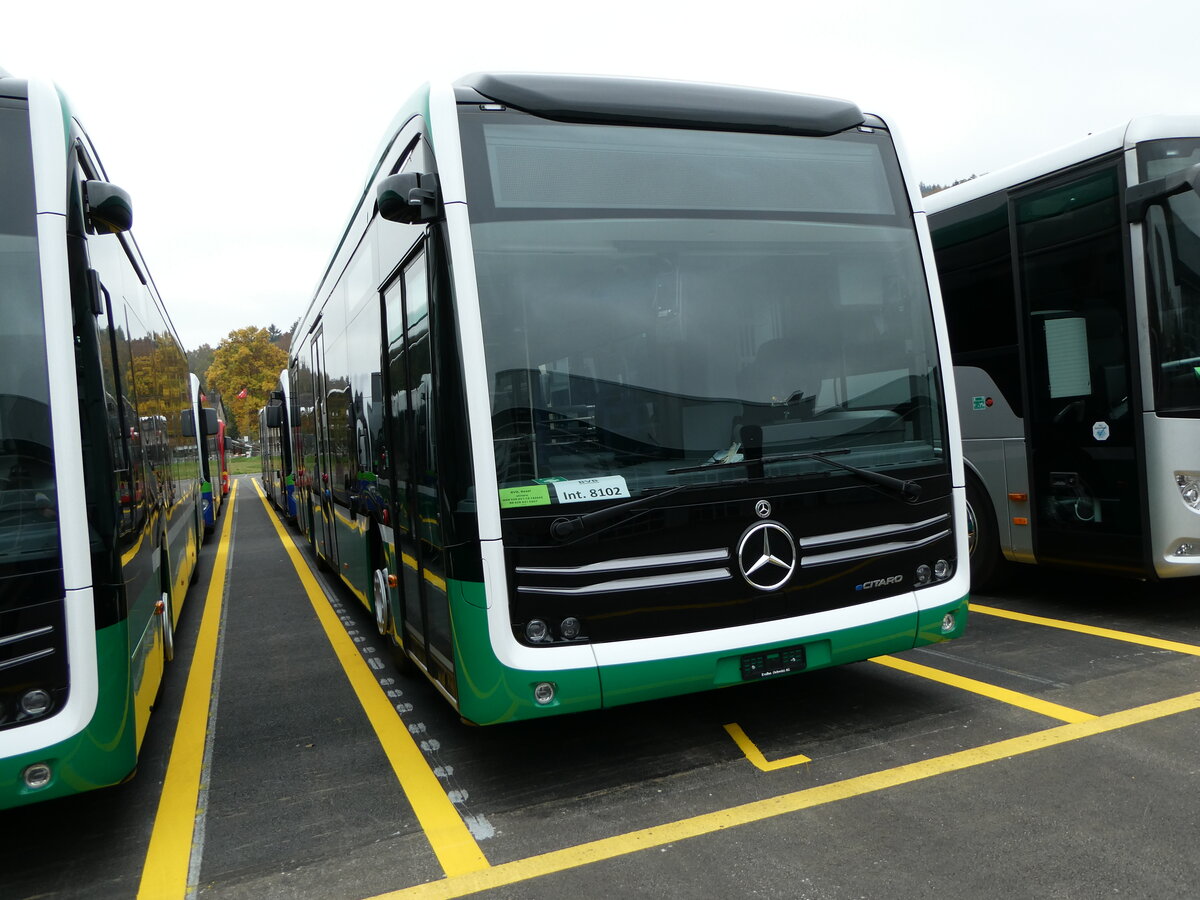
(767, 556)
(762, 508)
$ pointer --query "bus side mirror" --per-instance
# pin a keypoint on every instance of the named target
(410, 197)
(109, 209)
(210, 419)
(189, 423)
(1140, 197)
(275, 416)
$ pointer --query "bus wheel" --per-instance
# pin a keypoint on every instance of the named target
(983, 540)
(386, 624)
(168, 629)
(382, 612)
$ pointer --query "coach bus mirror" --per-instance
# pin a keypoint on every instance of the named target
(1140, 197)
(410, 197)
(109, 208)
(274, 416)
(188, 422)
(209, 420)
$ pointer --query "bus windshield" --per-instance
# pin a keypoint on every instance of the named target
(28, 497)
(656, 300)
(1173, 278)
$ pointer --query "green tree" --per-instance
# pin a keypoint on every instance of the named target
(200, 359)
(244, 369)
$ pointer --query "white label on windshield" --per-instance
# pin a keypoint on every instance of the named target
(610, 487)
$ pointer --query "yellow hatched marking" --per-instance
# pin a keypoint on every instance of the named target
(1012, 698)
(451, 840)
(1125, 636)
(755, 755)
(165, 871)
(761, 810)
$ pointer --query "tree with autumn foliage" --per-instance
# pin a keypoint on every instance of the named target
(245, 367)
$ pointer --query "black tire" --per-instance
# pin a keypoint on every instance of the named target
(168, 628)
(988, 566)
(385, 622)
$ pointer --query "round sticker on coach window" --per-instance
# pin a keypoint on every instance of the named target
(1100, 431)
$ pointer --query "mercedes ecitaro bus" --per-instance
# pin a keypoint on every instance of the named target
(616, 389)
(100, 518)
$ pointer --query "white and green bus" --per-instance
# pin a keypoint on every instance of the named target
(1072, 292)
(616, 389)
(99, 479)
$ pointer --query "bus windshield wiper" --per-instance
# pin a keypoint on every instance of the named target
(906, 488)
(566, 527)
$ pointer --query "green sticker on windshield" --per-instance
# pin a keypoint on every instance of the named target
(525, 495)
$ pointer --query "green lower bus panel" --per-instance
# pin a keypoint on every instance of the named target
(102, 754)
(635, 682)
(490, 692)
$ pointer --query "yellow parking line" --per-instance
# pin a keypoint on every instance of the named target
(761, 810)
(165, 871)
(1126, 636)
(1012, 698)
(755, 755)
(451, 840)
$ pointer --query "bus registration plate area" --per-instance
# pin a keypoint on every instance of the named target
(772, 662)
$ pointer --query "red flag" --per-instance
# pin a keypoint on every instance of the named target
(242, 394)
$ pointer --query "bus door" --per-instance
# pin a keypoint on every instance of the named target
(323, 528)
(411, 416)
(1081, 422)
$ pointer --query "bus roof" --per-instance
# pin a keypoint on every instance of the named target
(1122, 137)
(678, 104)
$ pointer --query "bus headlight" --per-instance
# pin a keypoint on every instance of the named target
(35, 702)
(570, 628)
(923, 574)
(1189, 488)
(536, 631)
(941, 569)
(543, 693)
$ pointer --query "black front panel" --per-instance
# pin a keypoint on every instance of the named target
(679, 568)
(33, 657)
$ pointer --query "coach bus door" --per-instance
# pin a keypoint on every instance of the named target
(411, 413)
(323, 529)
(1081, 424)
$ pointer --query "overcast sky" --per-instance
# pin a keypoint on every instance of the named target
(244, 131)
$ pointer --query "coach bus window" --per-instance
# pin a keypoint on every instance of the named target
(1172, 240)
